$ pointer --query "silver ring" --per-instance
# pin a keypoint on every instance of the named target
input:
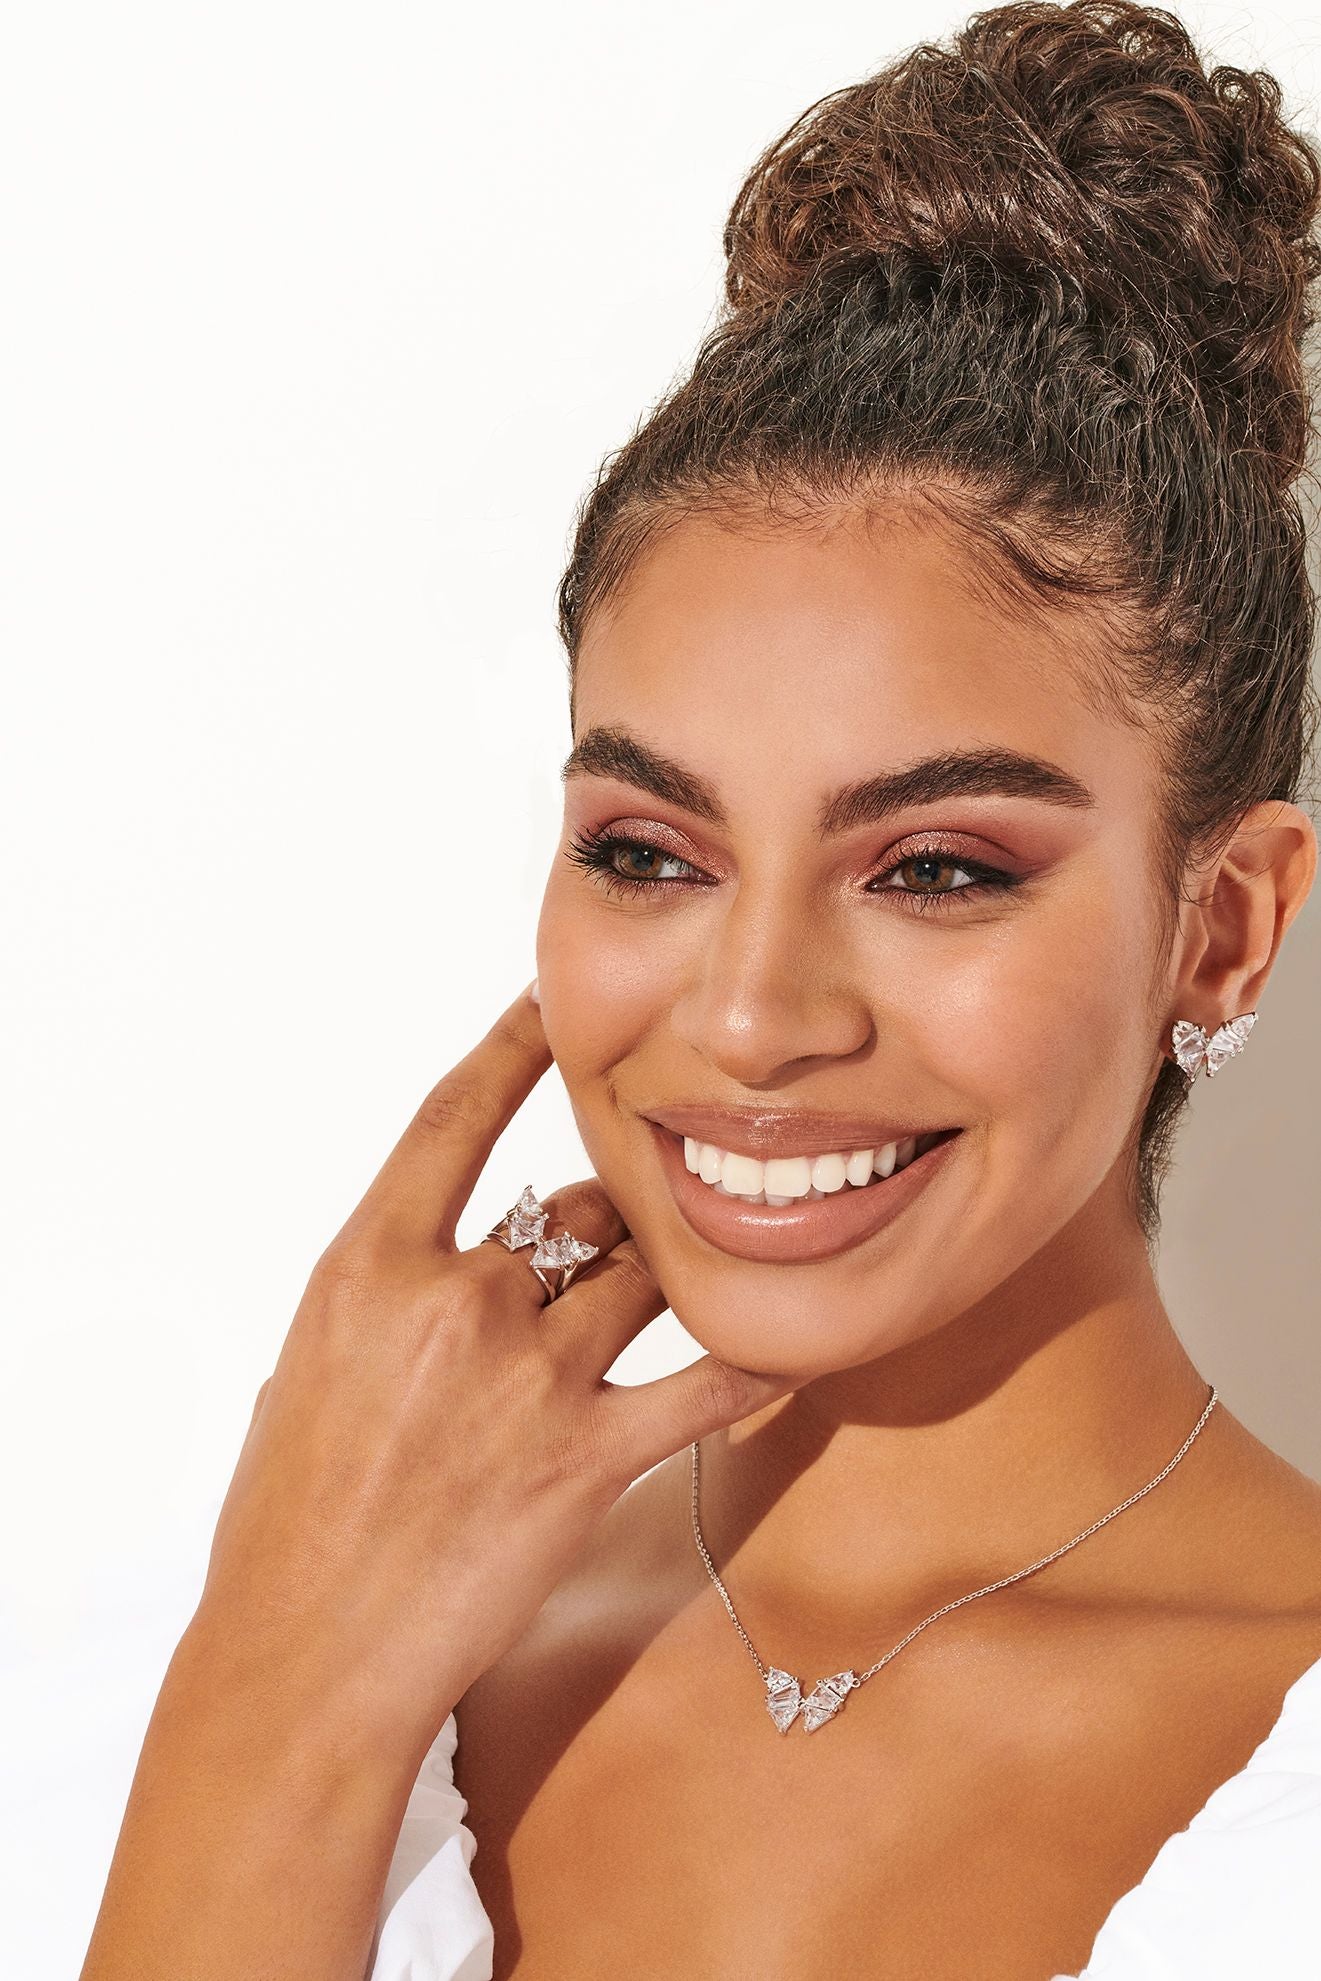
(555, 1261)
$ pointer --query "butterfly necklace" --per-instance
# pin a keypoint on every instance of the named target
(785, 1698)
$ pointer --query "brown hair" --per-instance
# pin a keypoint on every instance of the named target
(1050, 282)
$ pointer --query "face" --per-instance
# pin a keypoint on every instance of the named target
(844, 840)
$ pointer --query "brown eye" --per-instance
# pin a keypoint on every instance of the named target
(928, 873)
(598, 853)
(933, 878)
(644, 859)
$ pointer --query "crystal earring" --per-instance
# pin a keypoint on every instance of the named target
(1194, 1050)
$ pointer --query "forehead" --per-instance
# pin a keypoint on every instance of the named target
(790, 653)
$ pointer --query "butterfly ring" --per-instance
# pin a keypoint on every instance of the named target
(555, 1261)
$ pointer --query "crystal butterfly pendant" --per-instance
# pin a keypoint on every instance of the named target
(1193, 1049)
(784, 1698)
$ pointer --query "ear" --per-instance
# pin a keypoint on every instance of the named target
(1240, 905)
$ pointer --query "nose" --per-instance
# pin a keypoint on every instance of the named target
(771, 985)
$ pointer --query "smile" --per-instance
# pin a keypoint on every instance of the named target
(796, 1207)
(783, 1179)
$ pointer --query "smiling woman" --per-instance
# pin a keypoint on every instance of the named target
(939, 683)
(939, 689)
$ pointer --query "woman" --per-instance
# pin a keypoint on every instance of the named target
(940, 706)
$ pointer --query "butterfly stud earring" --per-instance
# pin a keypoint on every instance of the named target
(1194, 1050)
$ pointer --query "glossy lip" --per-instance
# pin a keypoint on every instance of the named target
(809, 1229)
(768, 1132)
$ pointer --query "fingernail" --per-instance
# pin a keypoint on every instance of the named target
(534, 993)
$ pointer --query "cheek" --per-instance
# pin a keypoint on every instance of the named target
(598, 979)
(1045, 1022)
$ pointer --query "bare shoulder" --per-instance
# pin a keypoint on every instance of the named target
(1263, 1517)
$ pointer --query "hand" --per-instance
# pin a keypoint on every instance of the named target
(436, 1441)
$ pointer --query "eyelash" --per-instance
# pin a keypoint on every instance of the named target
(593, 852)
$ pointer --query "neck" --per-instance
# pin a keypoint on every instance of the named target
(883, 1490)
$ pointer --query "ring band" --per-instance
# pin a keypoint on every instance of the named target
(555, 1261)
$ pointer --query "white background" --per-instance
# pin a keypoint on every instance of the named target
(318, 321)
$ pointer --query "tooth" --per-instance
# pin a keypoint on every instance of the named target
(788, 1176)
(904, 1153)
(814, 1195)
(858, 1167)
(742, 1176)
(691, 1152)
(828, 1173)
(743, 1196)
(780, 1202)
(884, 1159)
(708, 1165)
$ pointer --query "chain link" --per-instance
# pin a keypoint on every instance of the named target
(1033, 1568)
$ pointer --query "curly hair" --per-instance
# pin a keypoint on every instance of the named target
(1050, 284)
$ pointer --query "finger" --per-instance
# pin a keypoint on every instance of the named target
(584, 1209)
(647, 1422)
(424, 1183)
(610, 1299)
(608, 1305)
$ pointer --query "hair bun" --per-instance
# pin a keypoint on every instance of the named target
(1086, 142)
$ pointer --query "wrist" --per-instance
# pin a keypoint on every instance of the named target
(300, 1696)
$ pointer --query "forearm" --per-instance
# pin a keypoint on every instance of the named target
(260, 1823)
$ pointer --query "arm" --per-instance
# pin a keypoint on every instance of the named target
(430, 1453)
(260, 1825)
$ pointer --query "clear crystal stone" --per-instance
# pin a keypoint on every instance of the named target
(826, 1698)
(1223, 1044)
(1190, 1043)
(563, 1250)
(527, 1220)
(783, 1697)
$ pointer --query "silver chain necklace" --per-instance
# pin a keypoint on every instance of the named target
(785, 1696)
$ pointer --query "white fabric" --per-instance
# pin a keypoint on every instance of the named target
(1237, 1894)
(432, 1926)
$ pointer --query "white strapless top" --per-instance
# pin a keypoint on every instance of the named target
(1235, 1895)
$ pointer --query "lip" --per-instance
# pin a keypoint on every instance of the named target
(767, 1132)
(809, 1229)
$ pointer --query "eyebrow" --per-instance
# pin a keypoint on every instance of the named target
(617, 753)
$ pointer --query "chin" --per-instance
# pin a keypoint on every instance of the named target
(806, 1322)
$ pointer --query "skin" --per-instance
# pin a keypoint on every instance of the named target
(972, 1385)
